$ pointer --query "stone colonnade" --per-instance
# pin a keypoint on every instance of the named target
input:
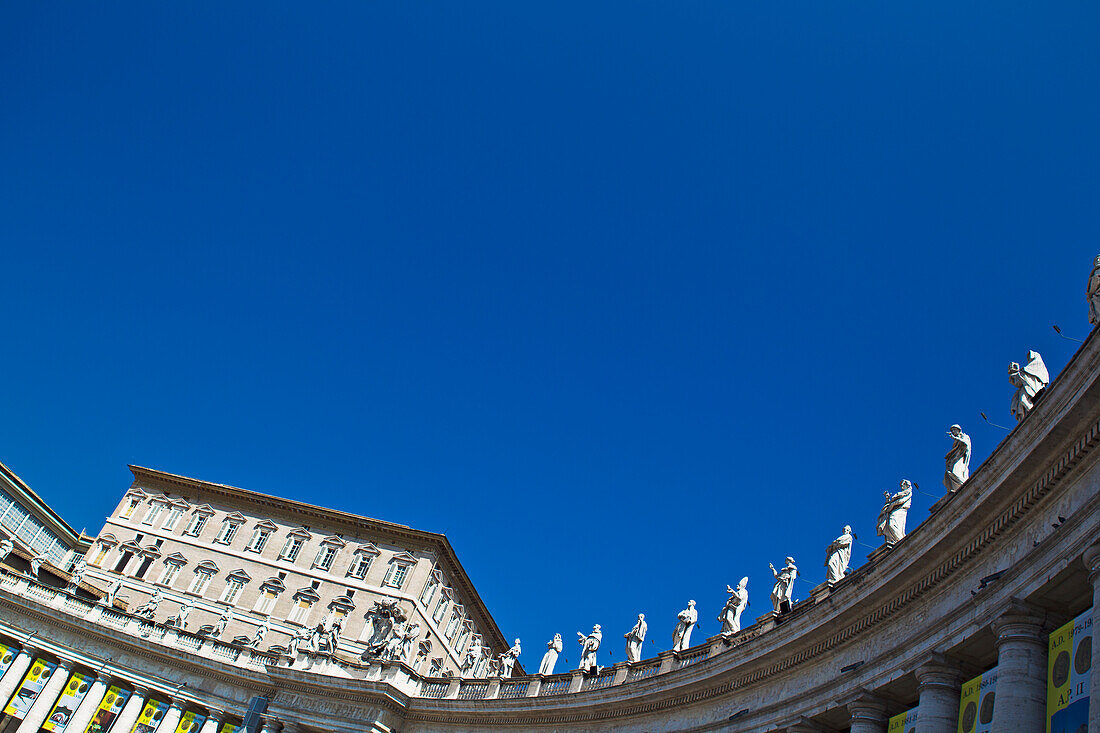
(100, 684)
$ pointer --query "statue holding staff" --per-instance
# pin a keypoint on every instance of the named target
(891, 520)
(735, 605)
(635, 638)
(839, 555)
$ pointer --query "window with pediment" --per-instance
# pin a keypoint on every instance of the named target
(261, 533)
(172, 565)
(295, 541)
(234, 584)
(304, 601)
(326, 554)
(361, 561)
(157, 506)
(176, 508)
(401, 565)
(230, 526)
(441, 607)
(133, 499)
(270, 591)
(435, 581)
(198, 520)
(454, 622)
(204, 572)
(103, 545)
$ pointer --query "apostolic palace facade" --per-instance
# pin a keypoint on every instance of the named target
(203, 608)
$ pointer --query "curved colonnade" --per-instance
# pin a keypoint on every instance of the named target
(980, 583)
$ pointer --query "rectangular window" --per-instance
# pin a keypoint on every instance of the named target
(266, 602)
(227, 532)
(232, 590)
(440, 610)
(259, 540)
(123, 561)
(198, 585)
(299, 612)
(173, 518)
(429, 590)
(196, 525)
(152, 514)
(291, 549)
(131, 505)
(168, 577)
(452, 625)
(461, 639)
(395, 578)
(360, 565)
(325, 556)
(101, 551)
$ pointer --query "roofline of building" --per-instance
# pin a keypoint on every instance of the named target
(44, 512)
(399, 532)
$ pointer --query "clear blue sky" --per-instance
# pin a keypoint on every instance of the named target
(628, 299)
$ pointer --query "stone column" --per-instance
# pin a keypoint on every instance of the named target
(14, 675)
(171, 718)
(271, 725)
(940, 683)
(132, 710)
(43, 704)
(213, 721)
(867, 714)
(1021, 669)
(1092, 562)
(84, 712)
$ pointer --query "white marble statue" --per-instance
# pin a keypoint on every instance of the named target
(296, 640)
(891, 520)
(180, 619)
(550, 658)
(6, 546)
(111, 593)
(590, 644)
(958, 459)
(436, 667)
(1029, 381)
(149, 608)
(783, 590)
(412, 631)
(331, 631)
(508, 660)
(635, 638)
(685, 623)
(392, 651)
(839, 555)
(261, 633)
(316, 638)
(222, 622)
(77, 576)
(470, 659)
(735, 605)
(36, 563)
(1092, 292)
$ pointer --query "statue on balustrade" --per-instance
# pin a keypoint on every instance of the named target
(470, 659)
(1092, 292)
(382, 620)
(839, 555)
(223, 621)
(783, 590)
(111, 593)
(77, 576)
(508, 660)
(550, 658)
(6, 546)
(36, 563)
(891, 520)
(296, 639)
(423, 649)
(332, 631)
(261, 633)
(392, 652)
(958, 459)
(736, 604)
(1029, 381)
(685, 622)
(635, 638)
(179, 621)
(408, 638)
(590, 644)
(149, 608)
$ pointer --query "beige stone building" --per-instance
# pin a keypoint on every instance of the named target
(289, 566)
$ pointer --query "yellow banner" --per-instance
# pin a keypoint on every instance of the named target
(230, 728)
(7, 656)
(65, 706)
(191, 722)
(903, 722)
(27, 692)
(976, 703)
(1069, 665)
(150, 717)
(108, 710)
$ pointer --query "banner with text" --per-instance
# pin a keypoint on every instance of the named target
(1069, 664)
(108, 710)
(7, 656)
(27, 692)
(976, 703)
(191, 722)
(65, 706)
(903, 722)
(150, 717)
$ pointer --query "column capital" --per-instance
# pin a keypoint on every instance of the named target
(178, 704)
(938, 670)
(105, 677)
(803, 725)
(216, 715)
(290, 726)
(1092, 563)
(141, 691)
(30, 650)
(865, 705)
(65, 665)
(1020, 621)
(272, 725)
